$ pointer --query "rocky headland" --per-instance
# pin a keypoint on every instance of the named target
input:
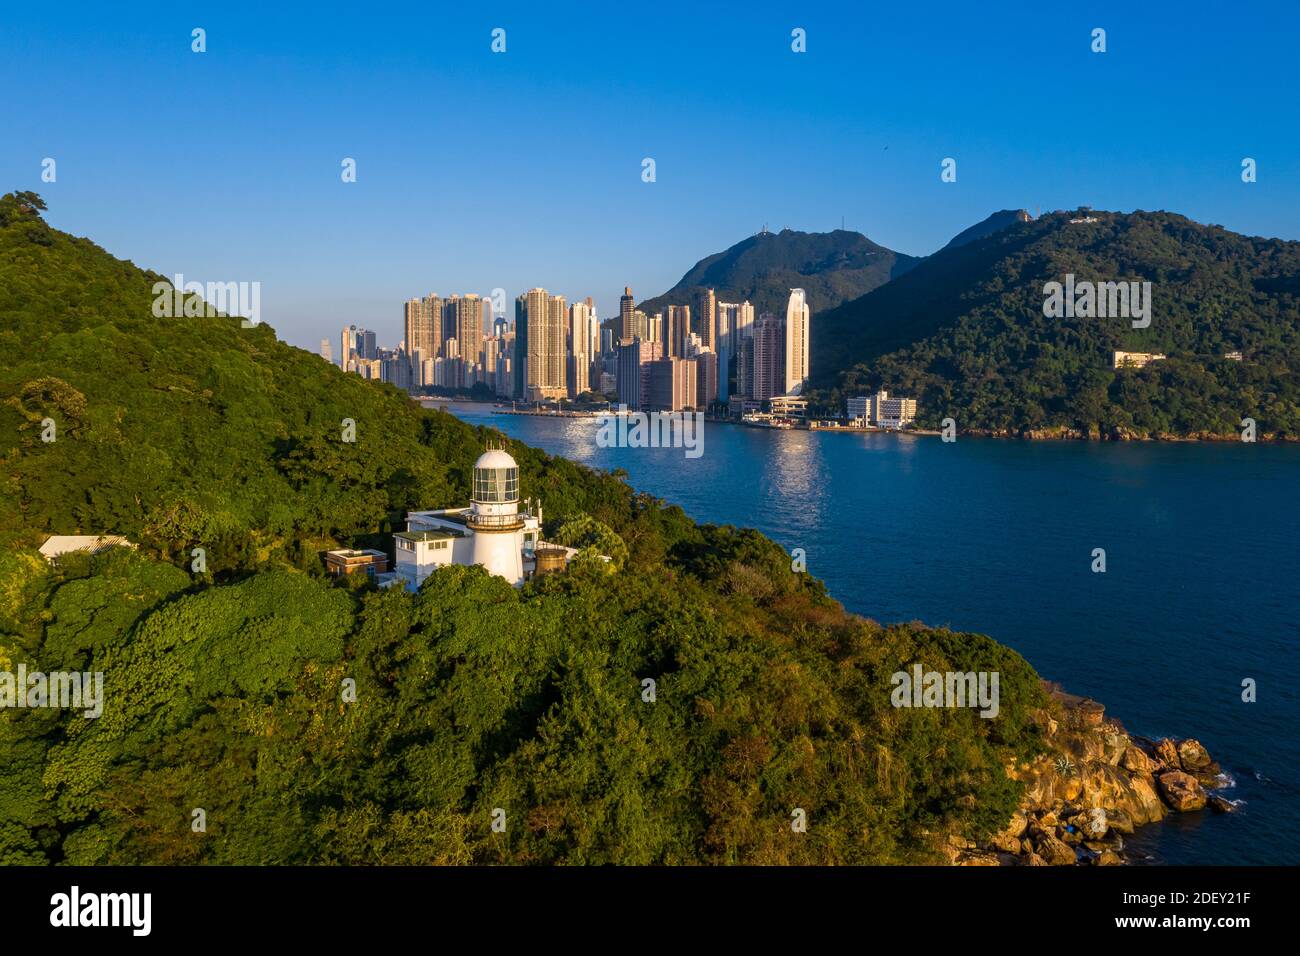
(1093, 786)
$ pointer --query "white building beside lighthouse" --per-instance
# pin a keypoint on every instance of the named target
(493, 531)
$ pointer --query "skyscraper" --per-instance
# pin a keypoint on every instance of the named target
(423, 323)
(706, 318)
(465, 323)
(540, 326)
(728, 319)
(626, 306)
(677, 326)
(671, 384)
(634, 360)
(326, 352)
(796, 343)
(584, 344)
(706, 387)
(769, 357)
(348, 348)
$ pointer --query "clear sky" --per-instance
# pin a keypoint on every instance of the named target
(478, 170)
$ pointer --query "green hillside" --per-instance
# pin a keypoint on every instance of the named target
(229, 692)
(832, 267)
(965, 333)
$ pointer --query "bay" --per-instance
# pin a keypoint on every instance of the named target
(1200, 592)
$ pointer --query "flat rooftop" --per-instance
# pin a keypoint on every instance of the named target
(433, 534)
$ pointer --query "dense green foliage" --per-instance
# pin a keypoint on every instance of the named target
(831, 267)
(964, 332)
(313, 722)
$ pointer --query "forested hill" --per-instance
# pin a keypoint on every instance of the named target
(965, 333)
(319, 722)
(831, 267)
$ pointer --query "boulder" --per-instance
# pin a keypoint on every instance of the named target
(1006, 843)
(1143, 804)
(1108, 858)
(1181, 791)
(1092, 823)
(1136, 761)
(1055, 852)
(1119, 820)
(1167, 753)
(1032, 859)
(1194, 758)
(1220, 805)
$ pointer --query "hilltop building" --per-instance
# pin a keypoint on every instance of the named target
(1136, 359)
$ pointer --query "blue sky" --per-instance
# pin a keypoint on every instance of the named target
(479, 170)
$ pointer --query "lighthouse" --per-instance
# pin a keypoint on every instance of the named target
(497, 531)
(494, 516)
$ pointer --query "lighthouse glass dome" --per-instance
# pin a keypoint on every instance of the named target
(496, 478)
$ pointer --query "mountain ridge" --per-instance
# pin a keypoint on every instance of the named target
(965, 333)
(831, 267)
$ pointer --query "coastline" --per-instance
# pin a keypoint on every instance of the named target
(1094, 785)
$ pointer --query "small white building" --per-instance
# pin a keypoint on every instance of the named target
(60, 544)
(492, 531)
(881, 410)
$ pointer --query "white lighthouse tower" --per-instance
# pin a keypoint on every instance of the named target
(494, 516)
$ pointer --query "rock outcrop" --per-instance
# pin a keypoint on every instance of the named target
(1095, 784)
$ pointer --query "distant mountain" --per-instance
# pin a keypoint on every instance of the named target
(832, 267)
(994, 223)
(966, 334)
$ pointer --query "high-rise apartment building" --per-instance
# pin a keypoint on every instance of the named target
(769, 357)
(677, 326)
(745, 363)
(728, 320)
(671, 384)
(634, 359)
(464, 322)
(706, 387)
(541, 324)
(796, 343)
(326, 352)
(706, 317)
(423, 324)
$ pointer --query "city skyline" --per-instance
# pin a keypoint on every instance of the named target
(861, 123)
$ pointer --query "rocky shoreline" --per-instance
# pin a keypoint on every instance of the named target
(1094, 785)
(1065, 433)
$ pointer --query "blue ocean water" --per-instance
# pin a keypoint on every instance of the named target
(1201, 589)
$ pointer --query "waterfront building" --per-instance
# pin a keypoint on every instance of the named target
(706, 387)
(672, 384)
(769, 358)
(632, 377)
(541, 325)
(796, 343)
(881, 410)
